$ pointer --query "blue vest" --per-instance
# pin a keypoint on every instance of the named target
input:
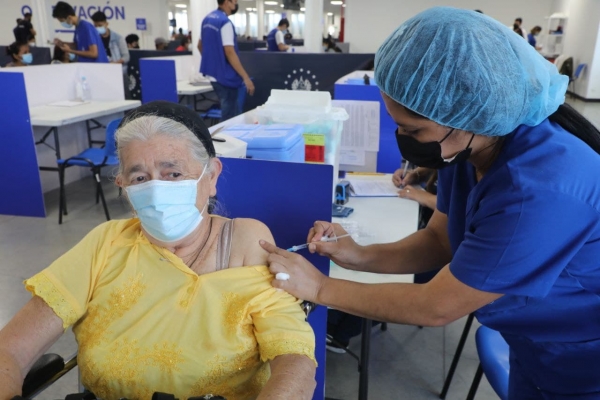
(272, 41)
(214, 63)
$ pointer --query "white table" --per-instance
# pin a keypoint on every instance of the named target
(186, 89)
(386, 219)
(56, 116)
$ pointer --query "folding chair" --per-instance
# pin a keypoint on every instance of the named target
(94, 158)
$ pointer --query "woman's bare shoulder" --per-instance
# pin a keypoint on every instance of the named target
(245, 249)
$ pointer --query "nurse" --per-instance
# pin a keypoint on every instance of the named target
(517, 224)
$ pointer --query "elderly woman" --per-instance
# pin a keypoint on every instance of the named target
(515, 231)
(175, 300)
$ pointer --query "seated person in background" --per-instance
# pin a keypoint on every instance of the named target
(133, 41)
(531, 37)
(426, 196)
(160, 43)
(330, 46)
(19, 52)
(276, 38)
(183, 44)
(175, 300)
(61, 57)
(87, 44)
(411, 190)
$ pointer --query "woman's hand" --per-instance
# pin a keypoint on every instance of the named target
(305, 280)
(411, 178)
(412, 193)
(345, 252)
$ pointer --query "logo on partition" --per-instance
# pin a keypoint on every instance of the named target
(301, 79)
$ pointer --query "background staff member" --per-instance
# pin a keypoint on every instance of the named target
(220, 62)
(276, 38)
(517, 233)
(86, 41)
(24, 32)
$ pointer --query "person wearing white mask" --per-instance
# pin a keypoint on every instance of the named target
(175, 300)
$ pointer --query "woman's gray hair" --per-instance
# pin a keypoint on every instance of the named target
(149, 126)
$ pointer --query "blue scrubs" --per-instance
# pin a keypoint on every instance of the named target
(530, 229)
(87, 35)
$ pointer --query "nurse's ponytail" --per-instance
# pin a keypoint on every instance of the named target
(576, 124)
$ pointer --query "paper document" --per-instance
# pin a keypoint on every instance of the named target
(68, 103)
(372, 186)
(361, 130)
(352, 157)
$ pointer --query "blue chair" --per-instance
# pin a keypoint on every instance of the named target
(214, 114)
(493, 361)
(580, 68)
(95, 159)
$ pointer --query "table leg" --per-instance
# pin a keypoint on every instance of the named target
(56, 142)
(365, 349)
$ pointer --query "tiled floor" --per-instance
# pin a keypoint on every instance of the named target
(407, 362)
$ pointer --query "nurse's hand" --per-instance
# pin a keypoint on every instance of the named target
(305, 281)
(411, 178)
(345, 252)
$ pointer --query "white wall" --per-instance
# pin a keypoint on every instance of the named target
(581, 42)
(368, 23)
(123, 12)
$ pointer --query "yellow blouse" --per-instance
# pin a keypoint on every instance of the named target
(145, 322)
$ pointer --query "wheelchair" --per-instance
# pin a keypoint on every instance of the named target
(51, 367)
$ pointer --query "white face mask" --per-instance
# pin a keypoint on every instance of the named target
(166, 209)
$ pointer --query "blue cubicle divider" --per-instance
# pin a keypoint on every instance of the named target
(388, 158)
(159, 80)
(288, 198)
(20, 184)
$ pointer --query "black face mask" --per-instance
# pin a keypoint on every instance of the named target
(237, 7)
(429, 155)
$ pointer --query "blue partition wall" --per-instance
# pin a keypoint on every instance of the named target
(388, 158)
(20, 184)
(133, 67)
(288, 198)
(159, 80)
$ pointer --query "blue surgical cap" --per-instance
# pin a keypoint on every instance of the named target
(467, 71)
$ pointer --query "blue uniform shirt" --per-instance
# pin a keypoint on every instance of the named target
(214, 62)
(272, 41)
(87, 35)
(530, 229)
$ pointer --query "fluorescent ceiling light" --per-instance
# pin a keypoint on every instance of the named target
(337, 2)
(282, 5)
(271, 3)
(270, 12)
(330, 14)
(302, 8)
(181, 5)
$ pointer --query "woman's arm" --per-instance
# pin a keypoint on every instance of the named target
(292, 377)
(23, 341)
(419, 195)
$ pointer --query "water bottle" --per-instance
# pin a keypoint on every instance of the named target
(85, 89)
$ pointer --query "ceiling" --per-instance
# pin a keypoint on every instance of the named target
(327, 6)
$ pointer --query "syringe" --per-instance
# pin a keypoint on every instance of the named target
(323, 239)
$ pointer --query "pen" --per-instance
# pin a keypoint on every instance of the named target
(405, 169)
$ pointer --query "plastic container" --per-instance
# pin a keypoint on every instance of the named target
(322, 124)
(274, 142)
